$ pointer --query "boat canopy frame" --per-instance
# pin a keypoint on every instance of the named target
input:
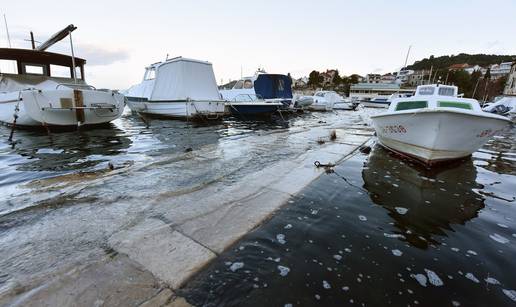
(27, 57)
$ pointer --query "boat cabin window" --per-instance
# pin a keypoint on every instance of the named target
(60, 71)
(319, 94)
(34, 69)
(239, 85)
(8, 67)
(248, 84)
(411, 105)
(446, 91)
(426, 90)
(455, 104)
(150, 74)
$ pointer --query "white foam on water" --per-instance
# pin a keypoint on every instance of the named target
(274, 259)
(498, 238)
(491, 280)
(345, 288)
(514, 235)
(317, 297)
(362, 218)
(455, 303)
(314, 212)
(397, 252)
(502, 225)
(455, 249)
(283, 270)
(472, 252)
(288, 305)
(236, 266)
(337, 257)
(433, 278)
(281, 238)
(394, 235)
(472, 277)
(420, 278)
(347, 250)
(288, 226)
(401, 210)
(510, 293)
(326, 285)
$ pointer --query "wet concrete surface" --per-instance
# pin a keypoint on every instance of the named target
(178, 191)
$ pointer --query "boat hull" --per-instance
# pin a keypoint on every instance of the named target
(435, 136)
(178, 109)
(66, 107)
(253, 108)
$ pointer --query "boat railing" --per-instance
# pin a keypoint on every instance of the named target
(74, 85)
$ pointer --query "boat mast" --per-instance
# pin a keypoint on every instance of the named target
(406, 58)
(7, 30)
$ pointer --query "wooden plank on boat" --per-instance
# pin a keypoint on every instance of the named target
(79, 104)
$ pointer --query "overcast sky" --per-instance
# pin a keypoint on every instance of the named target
(119, 38)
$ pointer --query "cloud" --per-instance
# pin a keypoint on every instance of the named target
(99, 56)
(377, 70)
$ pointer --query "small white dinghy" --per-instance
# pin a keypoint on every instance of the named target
(40, 88)
(436, 125)
(178, 88)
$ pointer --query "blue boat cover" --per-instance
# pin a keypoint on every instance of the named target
(270, 86)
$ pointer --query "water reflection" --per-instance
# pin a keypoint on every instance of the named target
(422, 202)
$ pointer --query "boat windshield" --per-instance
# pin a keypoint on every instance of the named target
(446, 91)
(150, 74)
(426, 90)
(238, 85)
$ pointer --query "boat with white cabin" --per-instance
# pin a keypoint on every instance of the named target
(436, 125)
(41, 88)
(177, 88)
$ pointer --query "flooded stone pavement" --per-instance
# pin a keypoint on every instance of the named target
(379, 231)
(78, 208)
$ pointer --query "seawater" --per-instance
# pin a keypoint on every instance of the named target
(381, 230)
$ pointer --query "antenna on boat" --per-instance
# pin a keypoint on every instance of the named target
(32, 40)
(166, 58)
(7, 30)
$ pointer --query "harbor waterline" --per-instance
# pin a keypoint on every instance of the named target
(381, 230)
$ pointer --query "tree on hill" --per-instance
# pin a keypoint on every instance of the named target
(472, 59)
(314, 79)
(337, 79)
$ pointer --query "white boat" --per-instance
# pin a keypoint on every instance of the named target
(505, 106)
(381, 101)
(325, 100)
(42, 88)
(436, 125)
(178, 88)
(264, 86)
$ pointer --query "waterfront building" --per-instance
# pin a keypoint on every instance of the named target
(510, 86)
(373, 78)
(500, 70)
(367, 91)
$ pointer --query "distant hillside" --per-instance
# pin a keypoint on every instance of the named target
(471, 59)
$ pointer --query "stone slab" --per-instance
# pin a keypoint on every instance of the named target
(166, 253)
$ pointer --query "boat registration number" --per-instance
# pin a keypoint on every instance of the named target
(394, 129)
(488, 132)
